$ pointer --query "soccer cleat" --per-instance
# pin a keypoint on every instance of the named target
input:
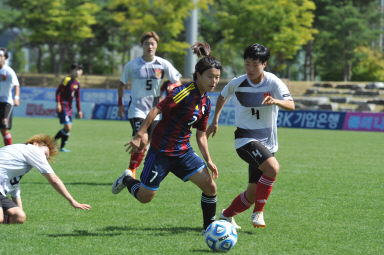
(118, 185)
(258, 220)
(65, 150)
(229, 219)
(133, 172)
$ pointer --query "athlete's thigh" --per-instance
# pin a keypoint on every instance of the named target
(2, 110)
(156, 168)
(65, 117)
(6, 110)
(202, 178)
(6, 203)
(254, 153)
(135, 124)
(187, 165)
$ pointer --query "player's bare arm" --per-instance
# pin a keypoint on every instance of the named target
(59, 186)
(202, 142)
(140, 140)
(212, 129)
(120, 94)
(16, 100)
(284, 104)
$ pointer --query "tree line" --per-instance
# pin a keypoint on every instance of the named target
(308, 40)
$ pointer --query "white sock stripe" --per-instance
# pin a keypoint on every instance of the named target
(244, 200)
(266, 181)
(208, 200)
(134, 188)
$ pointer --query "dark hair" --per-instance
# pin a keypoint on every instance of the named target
(147, 35)
(257, 52)
(207, 62)
(76, 66)
(5, 52)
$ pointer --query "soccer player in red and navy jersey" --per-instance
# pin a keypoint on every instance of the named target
(170, 150)
(68, 89)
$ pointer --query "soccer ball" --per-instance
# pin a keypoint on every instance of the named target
(221, 236)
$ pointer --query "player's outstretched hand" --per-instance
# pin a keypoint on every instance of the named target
(213, 168)
(77, 205)
(212, 129)
(268, 100)
(137, 143)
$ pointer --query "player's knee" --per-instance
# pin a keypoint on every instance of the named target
(145, 197)
(18, 218)
(270, 167)
(21, 218)
(210, 189)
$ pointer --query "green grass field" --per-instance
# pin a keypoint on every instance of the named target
(328, 198)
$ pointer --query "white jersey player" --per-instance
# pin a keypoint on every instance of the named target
(18, 159)
(145, 75)
(256, 121)
(8, 81)
(258, 95)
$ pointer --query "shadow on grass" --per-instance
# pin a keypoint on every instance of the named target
(73, 183)
(117, 230)
(162, 231)
(77, 233)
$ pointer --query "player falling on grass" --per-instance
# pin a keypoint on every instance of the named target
(258, 95)
(18, 159)
(170, 150)
(8, 81)
(68, 89)
(145, 74)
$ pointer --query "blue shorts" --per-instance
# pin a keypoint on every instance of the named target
(157, 165)
(65, 117)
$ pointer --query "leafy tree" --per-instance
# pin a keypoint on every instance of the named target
(166, 17)
(369, 65)
(8, 17)
(55, 23)
(344, 26)
(283, 26)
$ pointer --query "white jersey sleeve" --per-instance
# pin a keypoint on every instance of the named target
(229, 89)
(170, 72)
(126, 74)
(8, 80)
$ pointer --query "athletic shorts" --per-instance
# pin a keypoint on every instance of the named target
(65, 117)
(6, 112)
(254, 153)
(136, 124)
(157, 165)
(6, 203)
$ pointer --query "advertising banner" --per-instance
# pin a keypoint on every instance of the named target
(364, 121)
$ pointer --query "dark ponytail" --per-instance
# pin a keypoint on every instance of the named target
(207, 61)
